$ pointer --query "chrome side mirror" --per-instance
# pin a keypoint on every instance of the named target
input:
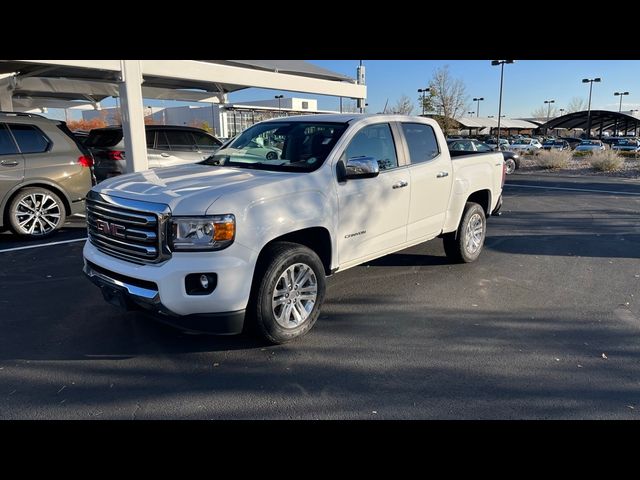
(361, 167)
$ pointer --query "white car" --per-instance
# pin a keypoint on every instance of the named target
(203, 246)
(525, 145)
(590, 146)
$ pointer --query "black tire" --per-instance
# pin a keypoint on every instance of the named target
(510, 165)
(272, 156)
(455, 243)
(47, 222)
(277, 259)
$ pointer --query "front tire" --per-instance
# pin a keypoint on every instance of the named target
(510, 166)
(290, 291)
(36, 213)
(465, 244)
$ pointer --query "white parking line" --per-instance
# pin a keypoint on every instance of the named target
(570, 189)
(43, 245)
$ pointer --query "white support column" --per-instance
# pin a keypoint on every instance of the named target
(132, 113)
(6, 100)
(7, 83)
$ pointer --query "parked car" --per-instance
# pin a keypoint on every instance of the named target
(526, 145)
(590, 146)
(504, 143)
(627, 145)
(238, 237)
(45, 174)
(556, 145)
(166, 146)
(573, 142)
(511, 159)
(257, 148)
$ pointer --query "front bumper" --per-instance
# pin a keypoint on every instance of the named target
(132, 294)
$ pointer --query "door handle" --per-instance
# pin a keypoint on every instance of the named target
(165, 155)
(442, 174)
(400, 184)
(9, 163)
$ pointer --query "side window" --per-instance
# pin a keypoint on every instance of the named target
(422, 143)
(206, 142)
(7, 145)
(29, 138)
(180, 140)
(374, 141)
(151, 137)
(481, 147)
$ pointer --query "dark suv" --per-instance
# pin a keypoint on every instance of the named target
(44, 174)
(166, 146)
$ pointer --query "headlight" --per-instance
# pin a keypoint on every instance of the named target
(202, 233)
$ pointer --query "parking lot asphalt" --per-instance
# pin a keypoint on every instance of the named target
(545, 325)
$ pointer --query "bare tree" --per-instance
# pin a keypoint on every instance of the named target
(403, 106)
(541, 112)
(449, 97)
(577, 104)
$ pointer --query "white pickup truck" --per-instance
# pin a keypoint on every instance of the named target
(249, 235)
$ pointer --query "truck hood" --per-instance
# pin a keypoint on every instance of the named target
(187, 189)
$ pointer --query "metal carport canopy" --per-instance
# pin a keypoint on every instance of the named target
(214, 78)
(606, 118)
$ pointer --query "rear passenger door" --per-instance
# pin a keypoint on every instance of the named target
(431, 176)
(36, 149)
(183, 147)
(11, 162)
(373, 211)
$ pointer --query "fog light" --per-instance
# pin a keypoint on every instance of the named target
(200, 283)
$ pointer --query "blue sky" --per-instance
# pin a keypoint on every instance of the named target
(527, 83)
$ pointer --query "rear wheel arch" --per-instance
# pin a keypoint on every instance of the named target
(482, 198)
(36, 184)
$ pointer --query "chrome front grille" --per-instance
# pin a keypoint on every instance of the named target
(127, 229)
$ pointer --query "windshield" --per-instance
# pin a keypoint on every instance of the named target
(590, 142)
(280, 146)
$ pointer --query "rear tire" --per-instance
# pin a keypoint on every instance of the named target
(36, 213)
(465, 244)
(289, 289)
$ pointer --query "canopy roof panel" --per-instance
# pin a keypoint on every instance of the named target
(483, 122)
(155, 74)
(605, 118)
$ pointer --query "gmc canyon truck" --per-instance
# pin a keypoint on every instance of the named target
(248, 236)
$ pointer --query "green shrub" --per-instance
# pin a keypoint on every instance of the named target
(606, 161)
(553, 159)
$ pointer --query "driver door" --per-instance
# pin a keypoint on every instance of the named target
(373, 212)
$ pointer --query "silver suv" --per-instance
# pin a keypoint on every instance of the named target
(45, 174)
(167, 145)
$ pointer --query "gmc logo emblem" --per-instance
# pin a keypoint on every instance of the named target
(112, 229)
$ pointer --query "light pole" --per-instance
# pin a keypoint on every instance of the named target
(590, 81)
(549, 102)
(423, 91)
(621, 94)
(501, 63)
(279, 97)
(478, 107)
